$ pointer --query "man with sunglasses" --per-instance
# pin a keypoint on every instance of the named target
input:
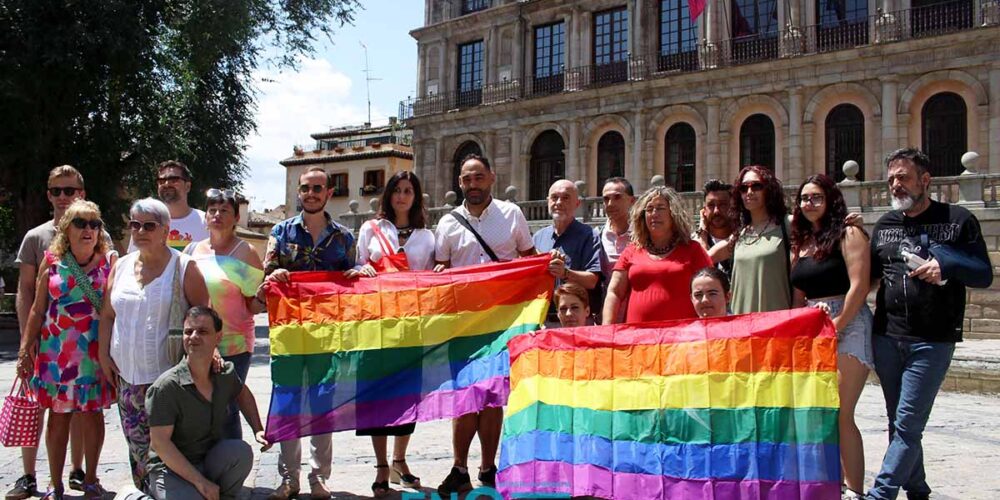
(310, 241)
(187, 224)
(65, 185)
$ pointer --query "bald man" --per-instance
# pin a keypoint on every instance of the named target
(578, 245)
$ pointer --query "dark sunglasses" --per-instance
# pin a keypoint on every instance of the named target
(149, 226)
(747, 186)
(58, 191)
(220, 194)
(170, 178)
(316, 188)
(81, 223)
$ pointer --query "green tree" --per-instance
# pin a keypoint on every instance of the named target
(115, 86)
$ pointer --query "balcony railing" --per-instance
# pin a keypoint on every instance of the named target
(932, 20)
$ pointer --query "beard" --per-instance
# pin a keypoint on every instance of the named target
(907, 201)
(475, 196)
(169, 195)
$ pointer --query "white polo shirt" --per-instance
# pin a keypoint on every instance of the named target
(613, 245)
(502, 226)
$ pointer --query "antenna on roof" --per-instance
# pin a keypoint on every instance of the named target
(368, 80)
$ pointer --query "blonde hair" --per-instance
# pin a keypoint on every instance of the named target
(79, 208)
(65, 171)
(681, 219)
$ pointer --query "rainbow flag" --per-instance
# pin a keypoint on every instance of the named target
(737, 407)
(397, 348)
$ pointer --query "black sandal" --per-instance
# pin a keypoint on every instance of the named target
(380, 488)
(405, 480)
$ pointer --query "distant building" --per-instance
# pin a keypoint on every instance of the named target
(359, 160)
(588, 89)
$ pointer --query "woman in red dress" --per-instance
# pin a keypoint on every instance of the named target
(654, 272)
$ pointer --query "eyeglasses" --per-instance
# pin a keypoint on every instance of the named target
(81, 223)
(58, 191)
(316, 188)
(170, 179)
(812, 199)
(754, 185)
(652, 209)
(223, 194)
(148, 226)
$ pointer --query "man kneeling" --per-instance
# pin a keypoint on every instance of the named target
(187, 410)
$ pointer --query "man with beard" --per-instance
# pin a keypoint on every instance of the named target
(615, 235)
(482, 229)
(715, 225)
(310, 241)
(173, 183)
(925, 253)
(575, 247)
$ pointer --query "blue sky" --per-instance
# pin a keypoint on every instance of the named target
(329, 90)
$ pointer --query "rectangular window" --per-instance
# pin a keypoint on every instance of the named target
(339, 184)
(470, 73)
(678, 36)
(550, 50)
(611, 36)
(470, 6)
(374, 182)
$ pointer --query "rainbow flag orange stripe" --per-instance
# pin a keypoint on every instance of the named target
(397, 348)
(736, 407)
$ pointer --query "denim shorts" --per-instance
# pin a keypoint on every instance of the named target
(856, 338)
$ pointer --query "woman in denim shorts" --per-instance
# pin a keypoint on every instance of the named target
(831, 263)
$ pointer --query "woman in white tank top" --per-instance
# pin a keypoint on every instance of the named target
(134, 320)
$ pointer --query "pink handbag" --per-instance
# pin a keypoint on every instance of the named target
(20, 418)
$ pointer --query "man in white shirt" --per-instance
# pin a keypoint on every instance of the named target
(504, 229)
(615, 235)
(173, 183)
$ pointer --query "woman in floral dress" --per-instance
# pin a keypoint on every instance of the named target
(66, 376)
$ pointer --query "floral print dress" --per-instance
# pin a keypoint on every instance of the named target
(68, 376)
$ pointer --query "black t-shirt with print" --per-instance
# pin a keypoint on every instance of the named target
(912, 308)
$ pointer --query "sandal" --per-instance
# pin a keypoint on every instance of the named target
(380, 488)
(94, 490)
(54, 493)
(406, 480)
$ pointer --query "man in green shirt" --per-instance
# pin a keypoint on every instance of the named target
(187, 458)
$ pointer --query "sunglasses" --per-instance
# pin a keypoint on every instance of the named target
(170, 179)
(316, 188)
(81, 223)
(149, 226)
(747, 186)
(58, 191)
(222, 194)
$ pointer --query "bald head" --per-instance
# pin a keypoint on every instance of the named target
(563, 201)
(563, 185)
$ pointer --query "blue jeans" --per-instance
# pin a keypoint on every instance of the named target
(233, 428)
(910, 374)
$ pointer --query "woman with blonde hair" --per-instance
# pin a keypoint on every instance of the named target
(66, 376)
(653, 273)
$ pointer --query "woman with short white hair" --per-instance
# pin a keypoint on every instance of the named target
(135, 320)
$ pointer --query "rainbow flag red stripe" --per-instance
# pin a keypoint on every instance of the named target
(397, 348)
(736, 407)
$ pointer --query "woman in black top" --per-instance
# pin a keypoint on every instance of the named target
(831, 262)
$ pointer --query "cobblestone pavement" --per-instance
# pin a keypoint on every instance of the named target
(961, 443)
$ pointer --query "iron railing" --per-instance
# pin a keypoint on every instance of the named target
(932, 20)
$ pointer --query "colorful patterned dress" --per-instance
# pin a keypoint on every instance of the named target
(68, 376)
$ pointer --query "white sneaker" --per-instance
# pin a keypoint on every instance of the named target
(850, 494)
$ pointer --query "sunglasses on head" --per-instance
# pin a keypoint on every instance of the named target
(58, 191)
(754, 185)
(81, 223)
(148, 226)
(220, 194)
(316, 188)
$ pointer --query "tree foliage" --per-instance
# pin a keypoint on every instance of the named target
(115, 86)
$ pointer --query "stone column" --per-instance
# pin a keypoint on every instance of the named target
(993, 144)
(575, 39)
(574, 170)
(441, 177)
(714, 168)
(517, 165)
(794, 170)
(890, 129)
(492, 57)
(517, 52)
(442, 63)
(421, 70)
(636, 172)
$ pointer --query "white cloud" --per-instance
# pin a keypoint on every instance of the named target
(291, 106)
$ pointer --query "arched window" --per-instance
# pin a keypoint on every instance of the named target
(548, 163)
(679, 151)
(467, 148)
(845, 140)
(757, 141)
(610, 156)
(944, 133)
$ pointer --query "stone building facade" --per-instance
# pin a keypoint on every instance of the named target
(586, 89)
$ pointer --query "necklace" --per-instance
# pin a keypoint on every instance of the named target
(752, 235)
(655, 250)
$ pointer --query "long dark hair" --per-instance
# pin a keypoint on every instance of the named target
(417, 219)
(774, 197)
(831, 225)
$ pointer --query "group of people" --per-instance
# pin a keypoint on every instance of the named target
(99, 329)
